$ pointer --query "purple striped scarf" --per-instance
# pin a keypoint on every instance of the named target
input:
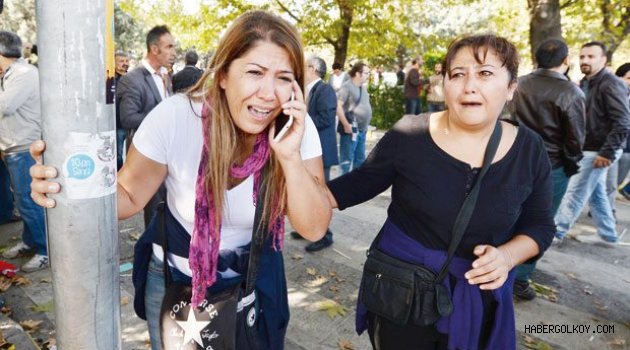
(204, 245)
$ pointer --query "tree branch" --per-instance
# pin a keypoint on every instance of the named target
(286, 9)
(568, 3)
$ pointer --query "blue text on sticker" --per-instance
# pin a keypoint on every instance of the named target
(80, 166)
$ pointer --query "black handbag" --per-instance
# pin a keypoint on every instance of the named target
(406, 293)
(225, 320)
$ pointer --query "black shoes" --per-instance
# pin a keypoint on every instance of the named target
(325, 242)
(523, 290)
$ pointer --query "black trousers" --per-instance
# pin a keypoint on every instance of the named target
(386, 335)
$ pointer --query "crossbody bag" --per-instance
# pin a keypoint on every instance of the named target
(225, 320)
(406, 293)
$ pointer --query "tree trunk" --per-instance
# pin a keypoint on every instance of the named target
(346, 11)
(544, 23)
(614, 33)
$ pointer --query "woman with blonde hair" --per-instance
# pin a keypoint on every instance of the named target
(214, 149)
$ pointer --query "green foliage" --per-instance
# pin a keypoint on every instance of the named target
(388, 105)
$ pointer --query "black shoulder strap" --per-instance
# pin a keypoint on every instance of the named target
(465, 213)
(259, 232)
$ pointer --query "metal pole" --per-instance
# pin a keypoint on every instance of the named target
(75, 63)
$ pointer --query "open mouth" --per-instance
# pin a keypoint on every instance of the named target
(471, 104)
(259, 113)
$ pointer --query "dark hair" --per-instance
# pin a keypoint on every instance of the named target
(597, 43)
(622, 70)
(480, 44)
(10, 45)
(154, 35)
(414, 62)
(191, 58)
(319, 65)
(357, 67)
(337, 65)
(551, 53)
(121, 54)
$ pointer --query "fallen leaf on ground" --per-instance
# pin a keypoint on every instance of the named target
(546, 291)
(134, 236)
(50, 343)
(21, 280)
(332, 308)
(345, 345)
(588, 291)
(339, 280)
(45, 280)
(334, 289)
(297, 256)
(47, 307)
(617, 342)
(318, 281)
(124, 301)
(311, 271)
(5, 284)
(535, 344)
(571, 275)
(332, 273)
(30, 324)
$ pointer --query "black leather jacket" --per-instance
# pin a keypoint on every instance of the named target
(548, 103)
(607, 113)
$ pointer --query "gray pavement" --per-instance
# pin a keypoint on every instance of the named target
(585, 285)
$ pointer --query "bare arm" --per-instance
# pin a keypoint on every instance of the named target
(138, 180)
(308, 206)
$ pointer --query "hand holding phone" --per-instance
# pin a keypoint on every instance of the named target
(283, 122)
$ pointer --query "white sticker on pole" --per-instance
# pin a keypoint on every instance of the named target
(90, 168)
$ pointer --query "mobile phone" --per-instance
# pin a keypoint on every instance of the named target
(283, 122)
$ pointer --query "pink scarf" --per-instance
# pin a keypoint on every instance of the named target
(204, 246)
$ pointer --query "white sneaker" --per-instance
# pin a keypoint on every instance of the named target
(37, 262)
(18, 249)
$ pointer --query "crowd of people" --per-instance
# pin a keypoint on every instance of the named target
(512, 186)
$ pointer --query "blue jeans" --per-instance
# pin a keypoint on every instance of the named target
(34, 233)
(6, 196)
(588, 184)
(153, 296)
(560, 181)
(121, 135)
(351, 153)
(413, 106)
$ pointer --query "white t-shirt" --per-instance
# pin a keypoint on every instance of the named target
(171, 134)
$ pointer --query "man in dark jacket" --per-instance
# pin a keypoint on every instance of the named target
(188, 76)
(607, 126)
(140, 90)
(548, 103)
(321, 102)
(412, 90)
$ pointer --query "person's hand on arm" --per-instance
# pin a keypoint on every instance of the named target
(490, 270)
(308, 207)
(601, 162)
(138, 180)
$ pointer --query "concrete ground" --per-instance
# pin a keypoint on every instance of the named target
(584, 285)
